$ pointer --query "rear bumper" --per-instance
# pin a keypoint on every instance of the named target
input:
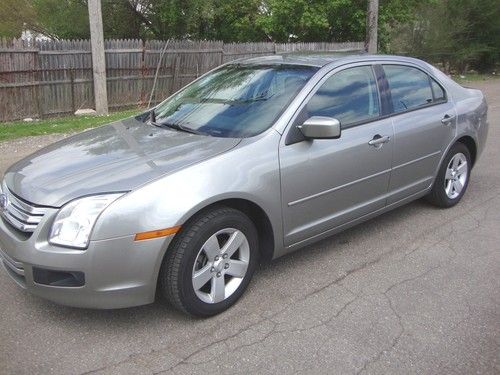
(118, 272)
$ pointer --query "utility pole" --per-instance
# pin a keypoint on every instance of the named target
(98, 58)
(372, 27)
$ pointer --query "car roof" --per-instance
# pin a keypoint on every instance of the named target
(321, 59)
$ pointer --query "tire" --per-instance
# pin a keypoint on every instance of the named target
(443, 193)
(193, 252)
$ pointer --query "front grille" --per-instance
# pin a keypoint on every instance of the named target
(20, 214)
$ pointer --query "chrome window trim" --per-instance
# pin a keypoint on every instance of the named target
(330, 69)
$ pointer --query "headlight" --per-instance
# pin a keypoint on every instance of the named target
(74, 222)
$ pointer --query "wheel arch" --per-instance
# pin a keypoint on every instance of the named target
(470, 143)
(258, 216)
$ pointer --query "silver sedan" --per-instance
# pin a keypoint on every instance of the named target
(251, 161)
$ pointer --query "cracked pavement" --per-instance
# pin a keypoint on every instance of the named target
(416, 290)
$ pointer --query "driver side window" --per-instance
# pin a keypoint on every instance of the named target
(350, 96)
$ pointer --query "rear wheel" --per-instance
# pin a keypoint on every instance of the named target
(210, 263)
(453, 177)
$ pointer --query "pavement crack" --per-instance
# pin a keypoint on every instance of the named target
(394, 341)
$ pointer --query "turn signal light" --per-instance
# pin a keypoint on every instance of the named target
(156, 233)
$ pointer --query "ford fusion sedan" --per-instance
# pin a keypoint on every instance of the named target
(253, 160)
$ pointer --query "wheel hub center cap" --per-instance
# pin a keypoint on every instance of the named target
(219, 265)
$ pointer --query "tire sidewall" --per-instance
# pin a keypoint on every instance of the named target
(232, 219)
(439, 183)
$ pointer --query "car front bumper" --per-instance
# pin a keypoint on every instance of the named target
(117, 272)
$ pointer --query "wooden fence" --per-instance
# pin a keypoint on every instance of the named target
(45, 78)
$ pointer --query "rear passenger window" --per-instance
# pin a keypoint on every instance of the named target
(410, 87)
(349, 96)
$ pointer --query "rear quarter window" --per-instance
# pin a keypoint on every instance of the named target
(437, 91)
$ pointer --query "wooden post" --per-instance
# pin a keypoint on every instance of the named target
(176, 73)
(98, 57)
(143, 75)
(372, 27)
(72, 82)
(38, 87)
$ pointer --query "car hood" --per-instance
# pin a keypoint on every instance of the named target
(117, 157)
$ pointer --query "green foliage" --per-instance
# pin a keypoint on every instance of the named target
(456, 33)
(65, 19)
(228, 20)
(120, 20)
(234, 21)
(285, 20)
(15, 15)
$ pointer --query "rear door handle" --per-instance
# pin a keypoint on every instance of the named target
(447, 119)
(379, 140)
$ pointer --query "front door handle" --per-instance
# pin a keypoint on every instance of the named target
(379, 140)
(447, 119)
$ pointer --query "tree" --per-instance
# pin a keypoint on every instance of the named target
(234, 20)
(64, 19)
(329, 20)
(456, 33)
(68, 19)
(15, 17)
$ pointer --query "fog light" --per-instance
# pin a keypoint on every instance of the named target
(58, 278)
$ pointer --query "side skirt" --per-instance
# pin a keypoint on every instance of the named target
(341, 228)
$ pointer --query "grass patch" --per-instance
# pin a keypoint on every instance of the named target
(17, 129)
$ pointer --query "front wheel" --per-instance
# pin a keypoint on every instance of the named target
(210, 263)
(453, 177)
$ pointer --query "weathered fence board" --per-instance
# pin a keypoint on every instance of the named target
(44, 78)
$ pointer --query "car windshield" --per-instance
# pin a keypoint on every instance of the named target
(234, 101)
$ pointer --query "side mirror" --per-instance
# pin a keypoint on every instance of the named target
(320, 127)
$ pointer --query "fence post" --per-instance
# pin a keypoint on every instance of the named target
(142, 74)
(38, 87)
(72, 82)
(176, 73)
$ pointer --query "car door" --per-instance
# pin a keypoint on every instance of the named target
(329, 182)
(424, 125)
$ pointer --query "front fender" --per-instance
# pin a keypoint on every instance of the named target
(250, 171)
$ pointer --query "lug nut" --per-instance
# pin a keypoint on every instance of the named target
(212, 269)
(219, 274)
(225, 256)
(216, 258)
(226, 266)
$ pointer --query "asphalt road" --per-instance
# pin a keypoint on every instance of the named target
(416, 290)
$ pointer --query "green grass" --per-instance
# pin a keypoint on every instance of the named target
(17, 129)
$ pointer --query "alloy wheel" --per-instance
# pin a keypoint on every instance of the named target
(456, 176)
(221, 265)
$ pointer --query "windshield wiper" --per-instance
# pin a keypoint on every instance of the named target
(176, 126)
(258, 98)
(179, 127)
